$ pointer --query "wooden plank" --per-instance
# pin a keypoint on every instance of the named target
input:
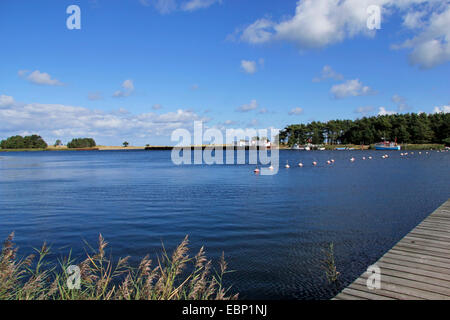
(364, 294)
(439, 261)
(414, 263)
(412, 287)
(404, 288)
(417, 267)
(383, 292)
(345, 296)
(413, 270)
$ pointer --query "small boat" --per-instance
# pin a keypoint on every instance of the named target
(386, 145)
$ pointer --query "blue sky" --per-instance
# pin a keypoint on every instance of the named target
(136, 70)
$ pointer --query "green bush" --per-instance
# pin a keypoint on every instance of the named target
(29, 142)
(81, 143)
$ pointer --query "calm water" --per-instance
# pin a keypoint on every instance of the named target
(271, 228)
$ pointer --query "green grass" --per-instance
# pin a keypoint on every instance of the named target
(422, 146)
(33, 278)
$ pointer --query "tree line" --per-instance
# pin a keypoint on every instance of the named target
(409, 128)
(36, 142)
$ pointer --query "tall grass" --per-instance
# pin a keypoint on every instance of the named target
(33, 278)
(329, 264)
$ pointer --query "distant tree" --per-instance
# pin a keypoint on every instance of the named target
(406, 128)
(29, 142)
(125, 144)
(81, 143)
(447, 141)
(58, 143)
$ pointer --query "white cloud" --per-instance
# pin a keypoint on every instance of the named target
(193, 5)
(413, 19)
(258, 32)
(328, 73)
(442, 109)
(383, 112)
(248, 107)
(41, 78)
(168, 6)
(127, 89)
(431, 46)
(248, 66)
(263, 111)
(320, 23)
(63, 121)
(6, 101)
(350, 88)
(157, 107)
(163, 6)
(195, 87)
(295, 111)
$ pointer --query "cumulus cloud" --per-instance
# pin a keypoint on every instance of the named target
(6, 101)
(383, 112)
(442, 109)
(127, 89)
(248, 66)
(431, 46)
(40, 78)
(63, 121)
(350, 88)
(321, 23)
(295, 111)
(328, 73)
(258, 32)
(248, 107)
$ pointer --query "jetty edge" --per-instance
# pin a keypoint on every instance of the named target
(416, 268)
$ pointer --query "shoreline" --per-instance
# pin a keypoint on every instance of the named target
(160, 148)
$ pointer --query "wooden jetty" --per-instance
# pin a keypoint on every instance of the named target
(416, 268)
